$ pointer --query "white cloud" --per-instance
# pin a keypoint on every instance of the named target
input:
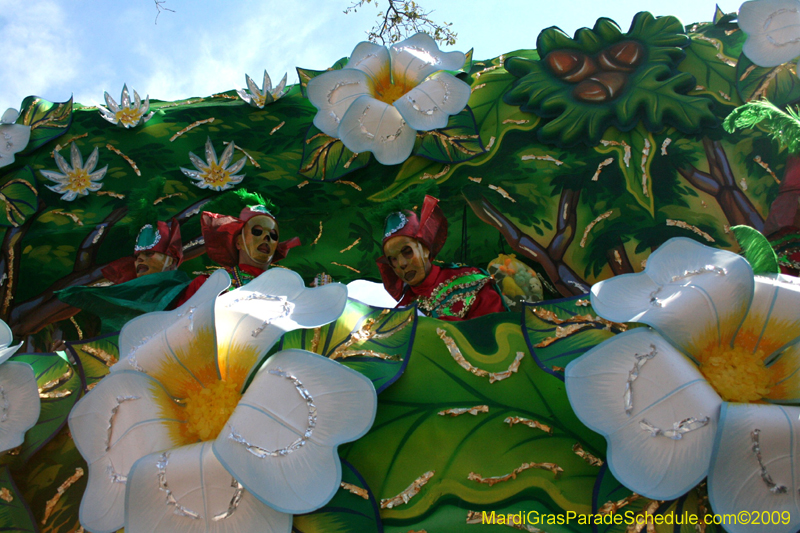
(39, 50)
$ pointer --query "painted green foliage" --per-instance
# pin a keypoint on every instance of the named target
(604, 78)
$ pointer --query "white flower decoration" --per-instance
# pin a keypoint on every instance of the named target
(709, 391)
(13, 137)
(77, 179)
(381, 98)
(172, 443)
(215, 174)
(773, 31)
(125, 114)
(19, 394)
(261, 97)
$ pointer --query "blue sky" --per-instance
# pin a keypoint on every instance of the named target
(55, 48)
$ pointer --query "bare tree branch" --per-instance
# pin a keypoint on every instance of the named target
(160, 7)
(403, 18)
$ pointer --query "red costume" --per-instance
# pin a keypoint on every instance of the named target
(165, 239)
(219, 234)
(445, 293)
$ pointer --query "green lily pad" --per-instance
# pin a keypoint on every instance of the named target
(757, 250)
(327, 158)
(15, 515)
(95, 357)
(18, 197)
(47, 120)
(456, 142)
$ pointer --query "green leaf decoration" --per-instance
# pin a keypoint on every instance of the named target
(715, 72)
(47, 120)
(374, 341)
(327, 158)
(412, 171)
(305, 75)
(15, 516)
(18, 197)
(637, 168)
(53, 482)
(718, 14)
(494, 117)
(780, 85)
(59, 390)
(584, 328)
(757, 250)
(604, 78)
(456, 142)
(353, 509)
(448, 455)
(95, 357)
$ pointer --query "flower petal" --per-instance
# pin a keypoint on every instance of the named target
(371, 59)
(773, 31)
(370, 293)
(6, 338)
(75, 156)
(227, 155)
(274, 414)
(668, 390)
(736, 481)
(418, 57)
(178, 348)
(276, 93)
(205, 498)
(92, 161)
(8, 351)
(62, 165)
(251, 319)
(691, 306)
(429, 105)
(126, 416)
(19, 400)
(333, 93)
(374, 126)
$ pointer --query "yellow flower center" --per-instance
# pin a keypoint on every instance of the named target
(216, 175)
(209, 408)
(390, 93)
(79, 180)
(737, 374)
(128, 116)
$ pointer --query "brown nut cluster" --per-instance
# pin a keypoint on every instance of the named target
(598, 78)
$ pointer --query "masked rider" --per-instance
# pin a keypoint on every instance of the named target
(410, 243)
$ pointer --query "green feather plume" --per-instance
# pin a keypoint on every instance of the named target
(232, 203)
(783, 126)
(140, 205)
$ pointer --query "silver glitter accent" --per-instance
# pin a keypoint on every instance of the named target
(180, 510)
(196, 242)
(654, 301)
(138, 248)
(773, 487)
(446, 86)
(235, 500)
(100, 231)
(708, 269)
(135, 349)
(578, 286)
(769, 21)
(364, 130)
(120, 401)
(287, 308)
(418, 109)
(189, 313)
(135, 364)
(339, 86)
(6, 405)
(115, 476)
(641, 360)
(679, 429)
(262, 453)
(395, 135)
(401, 225)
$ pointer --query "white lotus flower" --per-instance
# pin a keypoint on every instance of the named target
(381, 98)
(19, 394)
(773, 31)
(13, 137)
(215, 174)
(261, 97)
(174, 444)
(711, 390)
(77, 179)
(126, 114)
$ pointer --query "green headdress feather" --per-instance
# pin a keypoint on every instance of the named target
(140, 206)
(405, 201)
(783, 126)
(232, 203)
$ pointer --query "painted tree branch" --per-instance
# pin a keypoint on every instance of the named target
(618, 260)
(720, 183)
(10, 261)
(566, 281)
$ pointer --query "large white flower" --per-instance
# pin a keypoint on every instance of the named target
(173, 444)
(773, 31)
(381, 98)
(708, 391)
(19, 394)
(77, 179)
(13, 137)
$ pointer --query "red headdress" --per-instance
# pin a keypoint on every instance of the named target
(164, 238)
(429, 228)
(220, 232)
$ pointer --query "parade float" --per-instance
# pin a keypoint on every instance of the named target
(646, 367)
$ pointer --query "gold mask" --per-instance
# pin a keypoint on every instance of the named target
(258, 241)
